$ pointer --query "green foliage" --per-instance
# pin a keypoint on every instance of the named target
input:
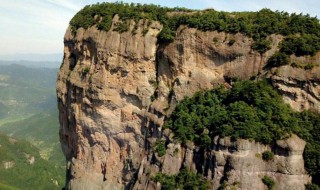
(268, 181)
(160, 148)
(305, 66)
(261, 46)
(183, 180)
(223, 185)
(250, 110)
(257, 25)
(215, 40)
(7, 187)
(152, 97)
(85, 71)
(145, 31)
(42, 130)
(231, 42)
(267, 155)
(305, 44)
(310, 121)
(24, 175)
(278, 59)
(311, 186)
(121, 27)
(166, 35)
(155, 84)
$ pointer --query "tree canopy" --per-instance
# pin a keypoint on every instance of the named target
(302, 31)
(249, 110)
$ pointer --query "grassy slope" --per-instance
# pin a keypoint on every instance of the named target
(42, 130)
(7, 187)
(23, 175)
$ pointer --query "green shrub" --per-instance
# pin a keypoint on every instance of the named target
(306, 44)
(85, 71)
(261, 46)
(309, 66)
(249, 110)
(246, 111)
(160, 147)
(121, 27)
(223, 186)
(305, 66)
(183, 180)
(278, 59)
(231, 42)
(311, 186)
(166, 35)
(267, 155)
(145, 31)
(215, 40)
(152, 97)
(269, 182)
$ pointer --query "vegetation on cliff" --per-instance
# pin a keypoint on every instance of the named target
(250, 110)
(183, 180)
(302, 31)
(269, 182)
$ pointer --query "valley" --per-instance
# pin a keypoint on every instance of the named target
(29, 118)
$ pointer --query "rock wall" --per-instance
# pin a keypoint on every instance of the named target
(114, 91)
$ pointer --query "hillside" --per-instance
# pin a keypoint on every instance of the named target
(28, 112)
(170, 98)
(42, 130)
(26, 90)
(42, 63)
(23, 168)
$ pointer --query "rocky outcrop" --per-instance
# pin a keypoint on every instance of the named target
(240, 165)
(299, 88)
(115, 89)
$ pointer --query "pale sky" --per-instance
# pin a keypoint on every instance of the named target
(38, 26)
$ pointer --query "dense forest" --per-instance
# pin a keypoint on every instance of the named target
(302, 32)
(250, 110)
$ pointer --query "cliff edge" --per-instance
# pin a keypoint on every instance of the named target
(116, 88)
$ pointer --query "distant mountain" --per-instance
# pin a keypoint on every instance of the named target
(57, 57)
(37, 64)
(26, 90)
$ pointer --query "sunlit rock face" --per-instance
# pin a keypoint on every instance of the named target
(115, 90)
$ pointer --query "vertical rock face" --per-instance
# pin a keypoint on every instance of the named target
(115, 89)
(104, 88)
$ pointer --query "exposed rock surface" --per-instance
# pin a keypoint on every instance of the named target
(109, 122)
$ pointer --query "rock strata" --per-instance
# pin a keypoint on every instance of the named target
(115, 90)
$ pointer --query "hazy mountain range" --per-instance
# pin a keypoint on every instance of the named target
(34, 60)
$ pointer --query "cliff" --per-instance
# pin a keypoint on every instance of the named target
(115, 90)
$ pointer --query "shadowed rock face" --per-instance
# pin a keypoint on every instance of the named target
(109, 122)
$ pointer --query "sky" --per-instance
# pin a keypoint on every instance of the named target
(38, 26)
